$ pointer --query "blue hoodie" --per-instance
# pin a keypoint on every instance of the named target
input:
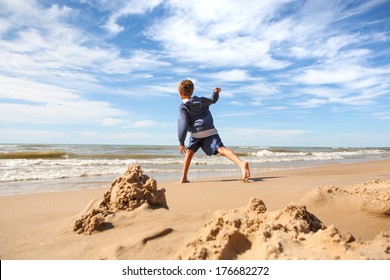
(195, 116)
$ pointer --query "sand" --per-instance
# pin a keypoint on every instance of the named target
(340, 211)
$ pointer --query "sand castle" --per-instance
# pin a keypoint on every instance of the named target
(287, 217)
(128, 192)
(249, 232)
(292, 233)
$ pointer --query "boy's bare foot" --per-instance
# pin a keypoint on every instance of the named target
(184, 181)
(246, 174)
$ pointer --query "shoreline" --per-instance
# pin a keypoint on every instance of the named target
(39, 226)
(90, 183)
(39, 168)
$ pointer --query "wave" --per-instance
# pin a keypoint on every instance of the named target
(67, 155)
(33, 155)
(337, 153)
(41, 162)
(282, 155)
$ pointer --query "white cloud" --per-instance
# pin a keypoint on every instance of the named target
(310, 103)
(256, 91)
(267, 132)
(130, 123)
(43, 53)
(235, 75)
(255, 36)
(141, 124)
(319, 96)
(130, 138)
(316, 30)
(113, 122)
(44, 44)
(218, 35)
(255, 136)
(273, 52)
(237, 103)
(31, 91)
(127, 8)
(84, 136)
(364, 6)
(328, 47)
(25, 101)
(87, 112)
(346, 78)
(277, 108)
(381, 115)
(21, 13)
(329, 76)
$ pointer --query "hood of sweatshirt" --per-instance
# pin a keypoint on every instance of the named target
(193, 104)
(199, 115)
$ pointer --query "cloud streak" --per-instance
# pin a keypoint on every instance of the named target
(102, 63)
(48, 104)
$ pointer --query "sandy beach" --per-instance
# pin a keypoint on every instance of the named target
(340, 211)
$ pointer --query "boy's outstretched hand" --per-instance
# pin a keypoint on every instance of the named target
(217, 90)
(183, 149)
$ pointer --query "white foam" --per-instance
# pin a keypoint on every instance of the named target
(12, 170)
(269, 156)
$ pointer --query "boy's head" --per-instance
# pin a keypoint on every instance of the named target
(186, 88)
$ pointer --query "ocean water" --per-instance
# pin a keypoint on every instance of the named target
(32, 168)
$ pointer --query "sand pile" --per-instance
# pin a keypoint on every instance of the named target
(292, 233)
(128, 192)
(372, 196)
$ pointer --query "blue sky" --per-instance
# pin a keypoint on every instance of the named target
(292, 73)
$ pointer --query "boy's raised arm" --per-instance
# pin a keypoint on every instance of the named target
(216, 94)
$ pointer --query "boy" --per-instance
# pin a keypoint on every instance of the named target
(195, 117)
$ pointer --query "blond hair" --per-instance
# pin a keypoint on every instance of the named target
(186, 87)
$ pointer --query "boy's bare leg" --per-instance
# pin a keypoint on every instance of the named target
(186, 166)
(243, 165)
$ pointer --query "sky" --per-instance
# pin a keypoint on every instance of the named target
(292, 72)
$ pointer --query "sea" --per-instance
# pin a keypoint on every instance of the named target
(38, 168)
